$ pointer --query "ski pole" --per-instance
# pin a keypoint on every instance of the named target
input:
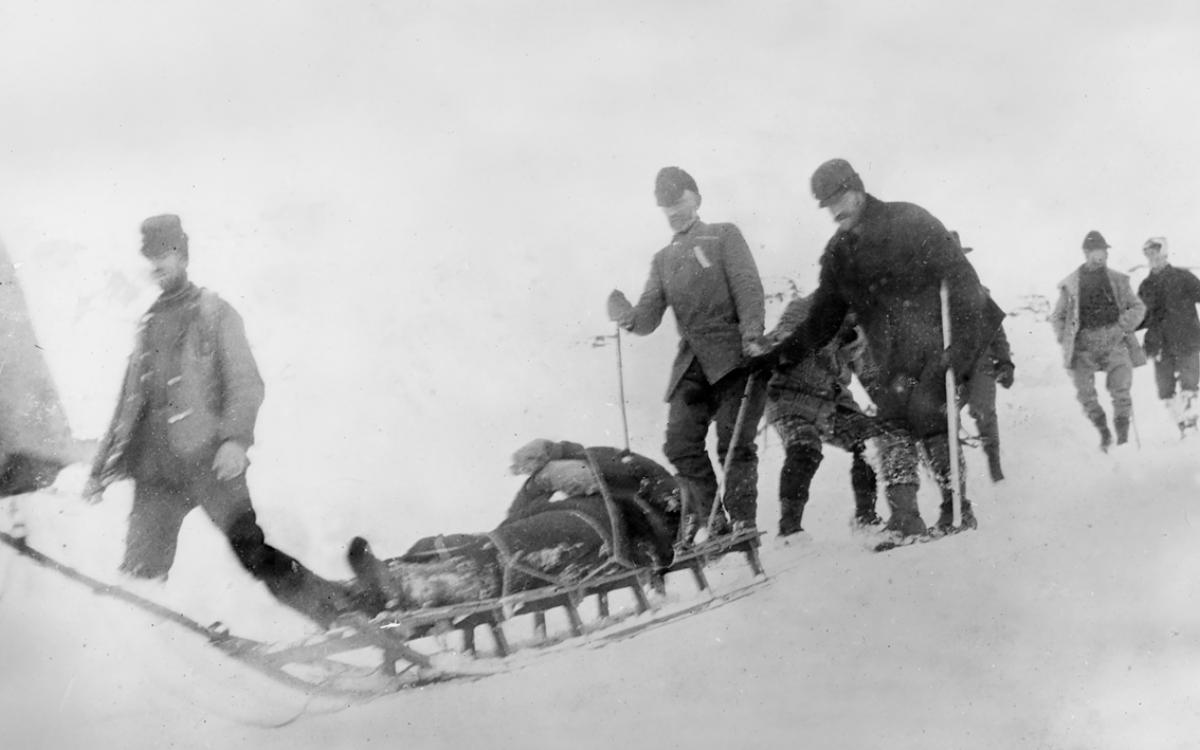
(621, 389)
(719, 498)
(951, 405)
(1137, 439)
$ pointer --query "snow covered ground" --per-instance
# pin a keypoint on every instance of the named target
(1071, 619)
(419, 208)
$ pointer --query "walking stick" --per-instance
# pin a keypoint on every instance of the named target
(951, 405)
(621, 390)
(719, 498)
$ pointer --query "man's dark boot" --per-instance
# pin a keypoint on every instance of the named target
(1101, 423)
(865, 484)
(992, 451)
(1122, 426)
(318, 599)
(697, 500)
(968, 516)
(906, 517)
(799, 466)
(945, 520)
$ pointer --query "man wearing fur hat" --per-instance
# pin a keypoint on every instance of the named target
(1094, 320)
(1172, 332)
(886, 263)
(184, 421)
(709, 279)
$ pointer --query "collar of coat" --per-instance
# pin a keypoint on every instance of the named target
(189, 292)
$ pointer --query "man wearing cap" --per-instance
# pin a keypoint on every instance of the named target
(709, 279)
(1094, 320)
(184, 421)
(886, 263)
(1172, 332)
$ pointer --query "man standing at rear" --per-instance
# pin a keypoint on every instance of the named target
(887, 263)
(184, 421)
(1172, 332)
(709, 279)
(1094, 321)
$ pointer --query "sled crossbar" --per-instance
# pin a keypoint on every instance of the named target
(493, 613)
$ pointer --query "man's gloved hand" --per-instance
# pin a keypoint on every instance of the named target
(93, 491)
(231, 460)
(620, 311)
(1004, 374)
(765, 361)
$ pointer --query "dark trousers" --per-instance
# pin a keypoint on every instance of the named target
(1183, 369)
(981, 405)
(694, 406)
(159, 508)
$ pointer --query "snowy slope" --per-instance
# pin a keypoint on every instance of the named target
(1070, 620)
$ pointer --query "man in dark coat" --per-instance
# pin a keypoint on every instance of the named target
(886, 263)
(1094, 320)
(1172, 332)
(809, 403)
(184, 421)
(708, 277)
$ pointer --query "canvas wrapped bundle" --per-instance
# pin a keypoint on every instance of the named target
(582, 513)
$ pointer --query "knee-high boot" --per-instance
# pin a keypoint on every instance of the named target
(799, 466)
(865, 483)
(905, 516)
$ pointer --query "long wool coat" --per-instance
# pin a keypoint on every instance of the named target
(889, 273)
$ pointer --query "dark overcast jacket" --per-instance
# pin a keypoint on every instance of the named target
(1171, 324)
(890, 274)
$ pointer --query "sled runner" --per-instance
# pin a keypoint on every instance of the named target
(363, 657)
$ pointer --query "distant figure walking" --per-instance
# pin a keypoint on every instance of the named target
(1172, 332)
(1094, 321)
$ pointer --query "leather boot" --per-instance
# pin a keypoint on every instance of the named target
(799, 466)
(865, 484)
(905, 516)
(968, 516)
(697, 500)
(1122, 426)
(314, 597)
(1101, 421)
(945, 520)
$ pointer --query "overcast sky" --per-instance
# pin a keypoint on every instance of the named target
(425, 197)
